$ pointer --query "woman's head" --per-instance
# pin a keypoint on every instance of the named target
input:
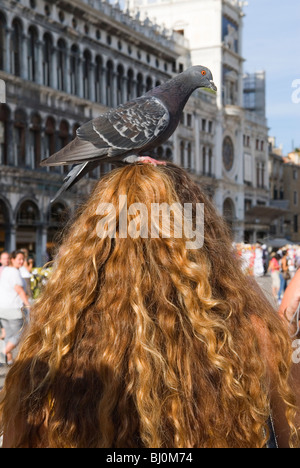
(139, 341)
(17, 259)
(4, 259)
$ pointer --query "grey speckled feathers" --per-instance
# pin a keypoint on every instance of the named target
(130, 129)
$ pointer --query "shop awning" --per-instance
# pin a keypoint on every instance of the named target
(264, 214)
(278, 243)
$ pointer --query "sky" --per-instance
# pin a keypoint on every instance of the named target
(272, 43)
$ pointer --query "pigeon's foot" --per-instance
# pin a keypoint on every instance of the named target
(148, 160)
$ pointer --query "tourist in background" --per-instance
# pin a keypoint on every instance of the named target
(12, 298)
(291, 303)
(4, 262)
(274, 270)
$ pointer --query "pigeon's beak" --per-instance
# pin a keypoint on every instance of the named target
(213, 86)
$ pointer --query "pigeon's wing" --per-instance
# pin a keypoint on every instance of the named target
(77, 172)
(128, 127)
(76, 152)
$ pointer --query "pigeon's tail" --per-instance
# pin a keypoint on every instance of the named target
(75, 153)
(75, 174)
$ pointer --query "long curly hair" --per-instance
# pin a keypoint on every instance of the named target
(141, 342)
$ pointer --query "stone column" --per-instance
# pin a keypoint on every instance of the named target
(7, 64)
(24, 57)
(92, 82)
(41, 245)
(54, 68)
(103, 86)
(218, 146)
(39, 63)
(176, 155)
(114, 89)
(12, 240)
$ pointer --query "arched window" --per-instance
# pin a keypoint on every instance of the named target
(4, 120)
(28, 214)
(130, 90)
(98, 79)
(32, 53)
(61, 65)
(28, 219)
(4, 217)
(74, 70)
(63, 135)
(169, 154)
(109, 84)
(160, 152)
(139, 85)
(50, 144)
(229, 212)
(228, 153)
(35, 141)
(47, 59)
(2, 41)
(58, 216)
(87, 63)
(16, 47)
(64, 138)
(19, 138)
(281, 193)
(149, 84)
(120, 77)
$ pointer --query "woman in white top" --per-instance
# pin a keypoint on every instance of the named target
(12, 298)
(4, 262)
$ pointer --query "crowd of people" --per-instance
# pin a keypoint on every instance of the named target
(254, 258)
(144, 343)
(282, 264)
(15, 294)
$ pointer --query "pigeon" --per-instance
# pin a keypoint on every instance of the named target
(126, 133)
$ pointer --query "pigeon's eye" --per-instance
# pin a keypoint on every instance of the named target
(203, 72)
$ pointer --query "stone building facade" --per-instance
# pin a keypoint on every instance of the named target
(291, 178)
(285, 195)
(64, 62)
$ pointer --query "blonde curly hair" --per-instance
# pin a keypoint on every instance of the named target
(144, 343)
